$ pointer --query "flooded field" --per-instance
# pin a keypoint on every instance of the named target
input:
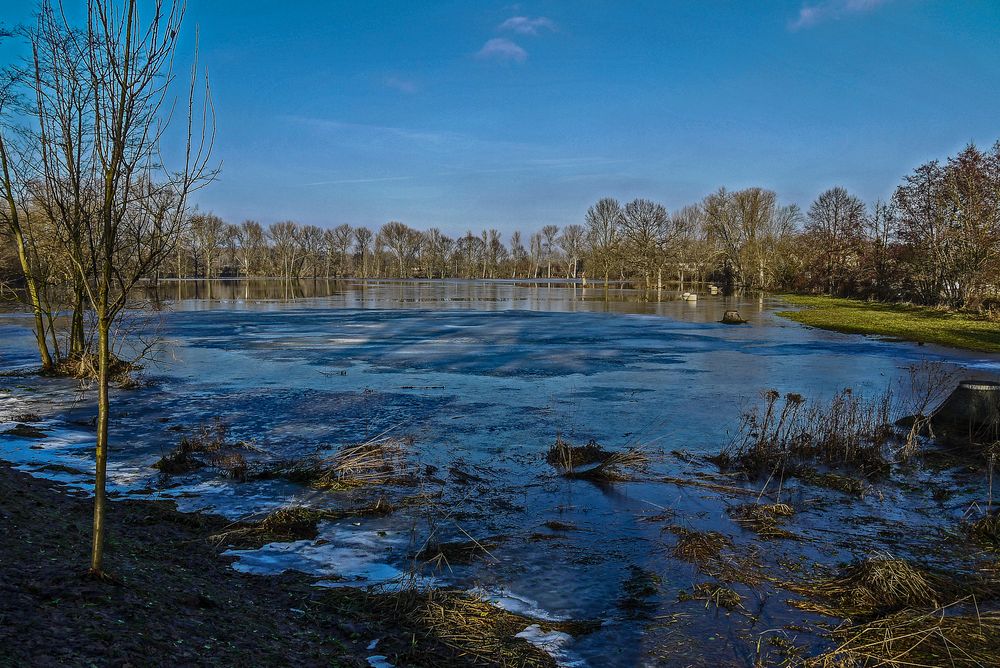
(483, 376)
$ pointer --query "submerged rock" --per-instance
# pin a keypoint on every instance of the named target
(22, 430)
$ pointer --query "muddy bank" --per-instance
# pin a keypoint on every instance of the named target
(176, 601)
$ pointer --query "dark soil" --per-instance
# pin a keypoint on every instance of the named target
(172, 599)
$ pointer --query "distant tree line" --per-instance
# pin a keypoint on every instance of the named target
(936, 241)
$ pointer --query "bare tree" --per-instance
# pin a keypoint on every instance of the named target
(363, 245)
(13, 170)
(571, 241)
(549, 234)
(643, 227)
(252, 245)
(835, 225)
(207, 234)
(139, 204)
(287, 247)
(604, 234)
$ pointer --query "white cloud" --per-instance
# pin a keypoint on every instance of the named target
(502, 49)
(525, 25)
(402, 85)
(818, 12)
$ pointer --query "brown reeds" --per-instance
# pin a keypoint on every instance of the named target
(764, 519)
(877, 585)
(465, 628)
(378, 461)
(941, 637)
(848, 431)
(290, 523)
(592, 462)
(715, 594)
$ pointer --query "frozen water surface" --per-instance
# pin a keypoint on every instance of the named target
(484, 375)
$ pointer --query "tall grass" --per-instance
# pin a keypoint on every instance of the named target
(849, 430)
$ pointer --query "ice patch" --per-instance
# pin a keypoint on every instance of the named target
(552, 643)
(511, 602)
(353, 557)
(379, 661)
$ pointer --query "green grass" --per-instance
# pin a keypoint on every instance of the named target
(899, 321)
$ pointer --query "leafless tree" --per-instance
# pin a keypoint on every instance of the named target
(604, 234)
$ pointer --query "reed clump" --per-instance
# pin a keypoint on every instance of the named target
(699, 547)
(848, 431)
(715, 594)
(986, 530)
(84, 366)
(459, 552)
(378, 461)
(764, 519)
(593, 462)
(207, 439)
(877, 585)
(957, 636)
(295, 522)
(566, 456)
(451, 625)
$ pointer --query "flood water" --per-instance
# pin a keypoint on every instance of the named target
(483, 376)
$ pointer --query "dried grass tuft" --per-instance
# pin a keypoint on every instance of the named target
(910, 639)
(877, 585)
(764, 519)
(714, 594)
(592, 462)
(375, 462)
(466, 628)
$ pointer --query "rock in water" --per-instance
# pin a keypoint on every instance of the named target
(732, 318)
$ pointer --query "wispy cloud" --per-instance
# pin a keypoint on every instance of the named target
(376, 179)
(502, 49)
(407, 86)
(812, 14)
(333, 125)
(525, 25)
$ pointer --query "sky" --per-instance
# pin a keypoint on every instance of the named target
(466, 115)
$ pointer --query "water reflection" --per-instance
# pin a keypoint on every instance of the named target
(558, 296)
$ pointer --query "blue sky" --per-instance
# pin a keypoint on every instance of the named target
(464, 115)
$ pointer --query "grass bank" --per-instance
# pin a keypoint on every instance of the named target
(899, 321)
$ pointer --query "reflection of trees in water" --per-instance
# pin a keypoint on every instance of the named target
(541, 295)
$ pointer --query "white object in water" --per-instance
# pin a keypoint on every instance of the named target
(690, 297)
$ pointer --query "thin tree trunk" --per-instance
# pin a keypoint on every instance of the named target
(103, 409)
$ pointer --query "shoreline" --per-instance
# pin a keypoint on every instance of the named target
(903, 322)
(175, 600)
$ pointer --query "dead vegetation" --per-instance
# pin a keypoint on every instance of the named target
(379, 461)
(84, 367)
(592, 462)
(715, 555)
(699, 547)
(463, 627)
(850, 431)
(715, 594)
(986, 530)
(764, 519)
(898, 613)
(947, 636)
(291, 523)
(207, 446)
(444, 554)
(878, 585)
